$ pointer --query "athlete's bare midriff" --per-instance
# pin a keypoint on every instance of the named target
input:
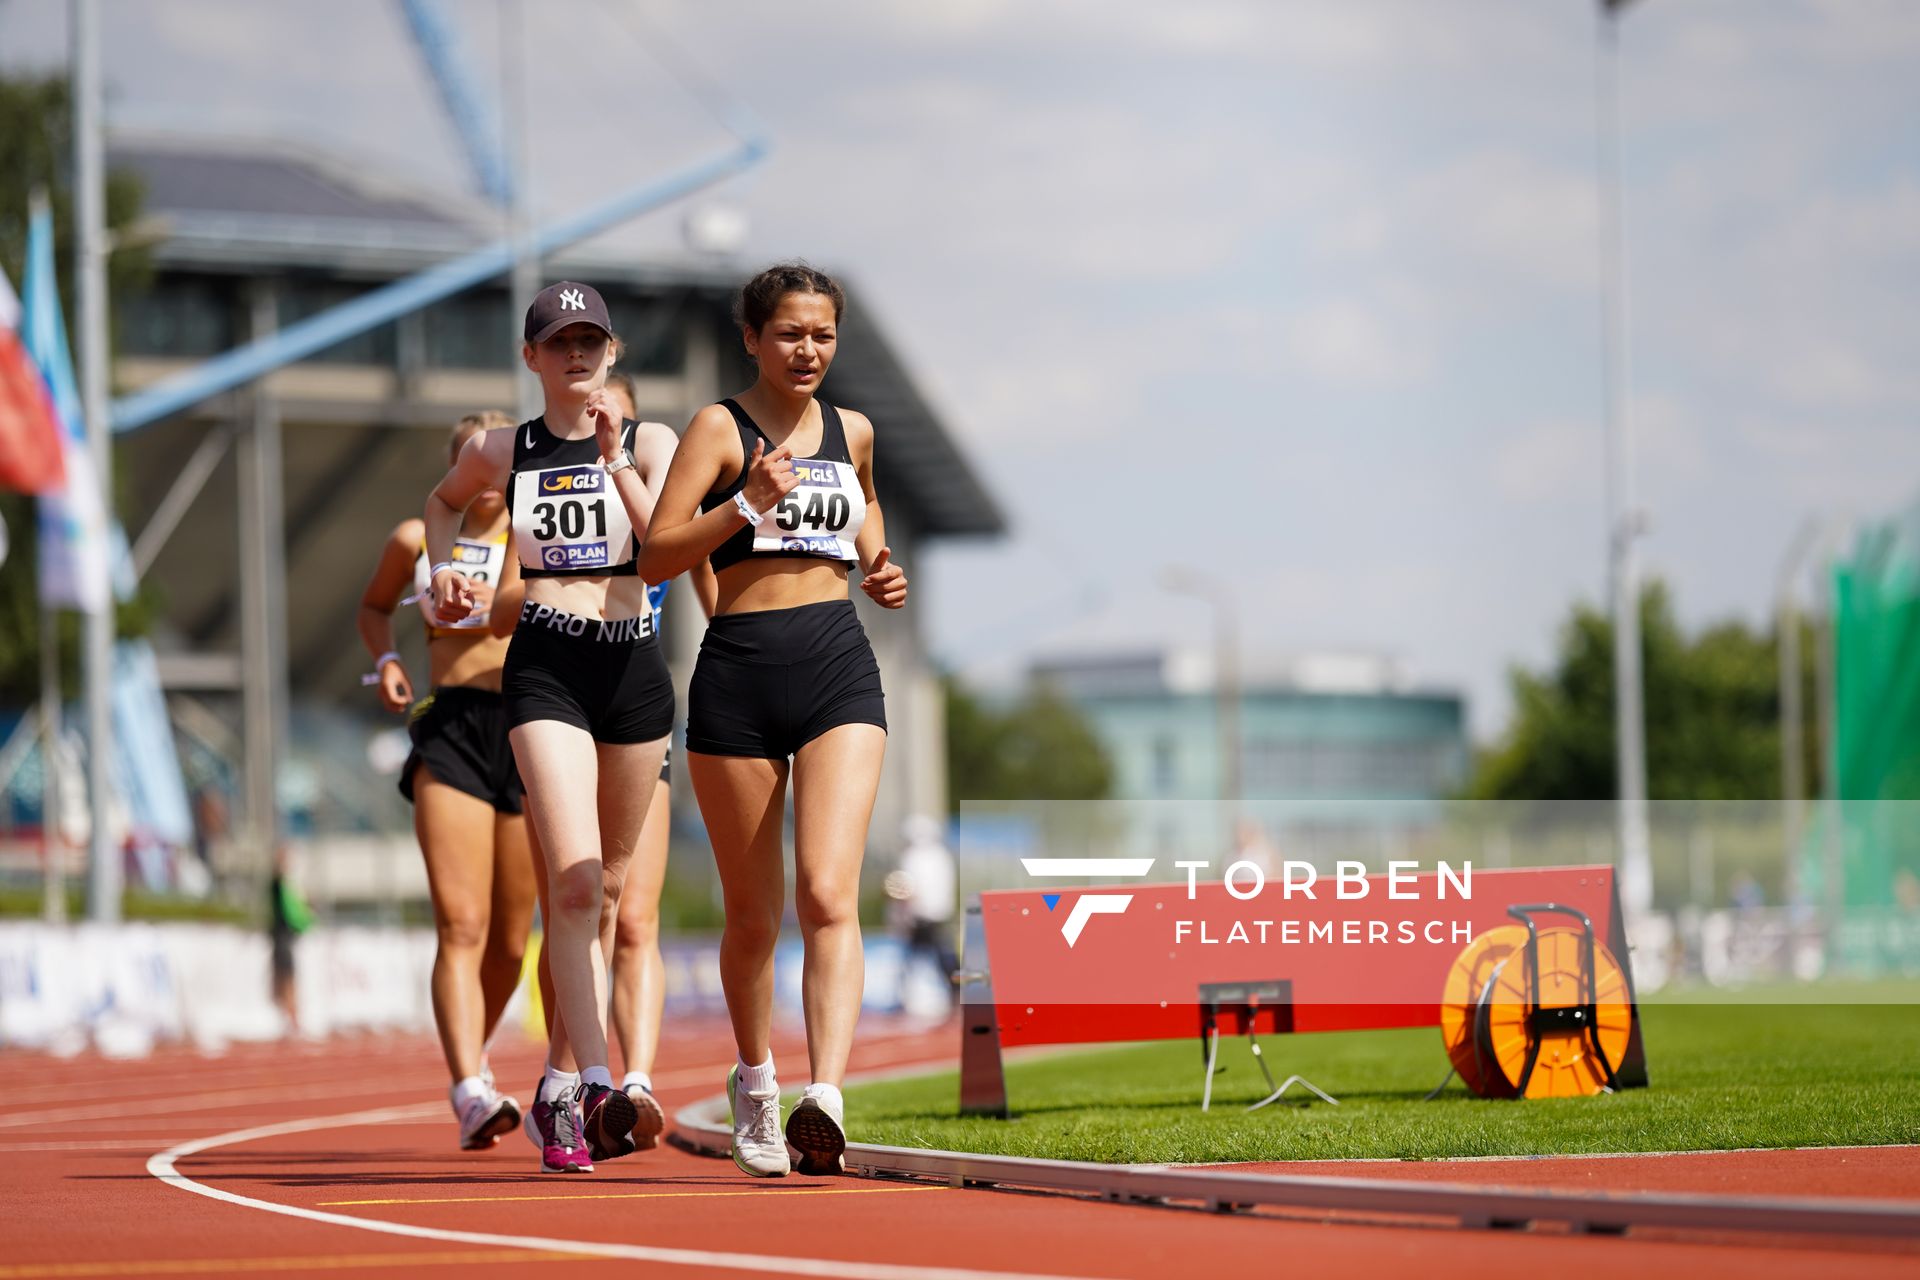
(770, 582)
(466, 660)
(607, 598)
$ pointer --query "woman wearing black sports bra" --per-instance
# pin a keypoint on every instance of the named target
(589, 702)
(776, 487)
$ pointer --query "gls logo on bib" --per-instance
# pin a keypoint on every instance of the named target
(573, 480)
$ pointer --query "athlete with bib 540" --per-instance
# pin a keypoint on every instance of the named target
(775, 488)
(464, 787)
(589, 702)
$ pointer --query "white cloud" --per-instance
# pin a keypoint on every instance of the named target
(1540, 464)
(1347, 341)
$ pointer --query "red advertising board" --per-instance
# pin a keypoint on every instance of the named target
(1368, 952)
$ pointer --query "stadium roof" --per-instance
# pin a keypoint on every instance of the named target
(227, 208)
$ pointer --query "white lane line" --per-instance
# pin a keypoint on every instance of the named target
(215, 1098)
(162, 1166)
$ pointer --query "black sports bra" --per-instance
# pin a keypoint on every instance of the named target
(567, 520)
(818, 520)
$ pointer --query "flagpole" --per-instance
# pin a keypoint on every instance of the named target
(89, 182)
(53, 901)
(53, 906)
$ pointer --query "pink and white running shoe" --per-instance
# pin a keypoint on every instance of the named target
(561, 1148)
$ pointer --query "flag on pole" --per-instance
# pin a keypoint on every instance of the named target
(73, 520)
(30, 437)
(85, 564)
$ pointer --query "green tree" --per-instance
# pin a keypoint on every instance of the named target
(1712, 714)
(36, 154)
(1040, 748)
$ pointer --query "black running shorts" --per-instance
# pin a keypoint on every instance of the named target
(608, 678)
(769, 682)
(460, 735)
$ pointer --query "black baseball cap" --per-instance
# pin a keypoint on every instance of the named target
(559, 305)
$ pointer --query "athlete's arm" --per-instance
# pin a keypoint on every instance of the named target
(680, 534)
(884, 581)
(508, 595)
(485, 462)
(639, 485)
(705, 584)
(392, 575)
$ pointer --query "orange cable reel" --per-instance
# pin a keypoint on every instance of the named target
(1553, 1043)
(1507, 1040)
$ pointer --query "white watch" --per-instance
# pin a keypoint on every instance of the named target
(621, 461)
(754, 518)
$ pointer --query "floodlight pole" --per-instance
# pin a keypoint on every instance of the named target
(1226, 676)
(524, 279)
(1625, 521)
(1793, 757)
(90, 208)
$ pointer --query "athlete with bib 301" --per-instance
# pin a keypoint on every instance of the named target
(588, 699)
(775, 488)
(464, 788)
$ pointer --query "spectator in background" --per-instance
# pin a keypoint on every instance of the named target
(209, 822)
(922, 893)
(288, 917)
(1250, 844)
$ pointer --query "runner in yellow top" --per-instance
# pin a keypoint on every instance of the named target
(465, 790)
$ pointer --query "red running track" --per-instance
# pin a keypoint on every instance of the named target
(351, 1168)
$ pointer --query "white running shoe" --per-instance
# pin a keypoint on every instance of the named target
(485, 1118)
(817, 1129)
(758, 1147)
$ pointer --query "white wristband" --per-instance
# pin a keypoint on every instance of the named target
(754, 518)
(435, 571)
(379, 667)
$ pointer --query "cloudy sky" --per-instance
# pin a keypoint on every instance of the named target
(1300, 295)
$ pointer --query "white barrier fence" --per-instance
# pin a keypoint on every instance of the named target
(124, 989)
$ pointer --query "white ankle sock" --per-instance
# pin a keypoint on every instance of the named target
(759, 1078)
(640, 1078)
(466, 1090)
(597, 1075)
(554, 1082)
(828, 1094)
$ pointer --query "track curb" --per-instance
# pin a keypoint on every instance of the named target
(702, 1127)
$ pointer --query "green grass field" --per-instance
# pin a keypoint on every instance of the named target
(1738, 1073)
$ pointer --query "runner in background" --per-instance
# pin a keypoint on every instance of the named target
(464, 788)
(639, 980)
(775, 488)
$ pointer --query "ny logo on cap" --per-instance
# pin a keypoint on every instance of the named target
(572, 300)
